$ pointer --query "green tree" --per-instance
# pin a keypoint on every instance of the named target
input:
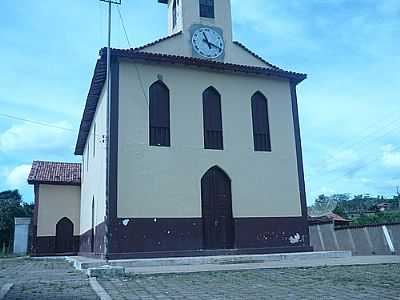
(340, 211)
(378, 218)
(11, 206)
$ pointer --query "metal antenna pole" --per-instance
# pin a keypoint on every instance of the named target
(107, 238)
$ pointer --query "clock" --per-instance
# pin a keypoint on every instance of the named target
(208, 43)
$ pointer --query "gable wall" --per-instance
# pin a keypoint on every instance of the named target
(94, 170)
(57, 202)
(165, 182)
(181, 45)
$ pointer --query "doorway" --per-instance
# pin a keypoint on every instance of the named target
(92, 230)
(216, 199)
(64, 236)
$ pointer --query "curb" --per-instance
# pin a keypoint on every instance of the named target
(103, 295)
(5, 289)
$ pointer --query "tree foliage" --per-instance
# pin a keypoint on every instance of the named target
(378, 218)
(11, 206)
(363, 209)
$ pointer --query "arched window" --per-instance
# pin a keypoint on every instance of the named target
(174, 14)
(261, 134)
(212, 118)
(159, 115)
(207, 9)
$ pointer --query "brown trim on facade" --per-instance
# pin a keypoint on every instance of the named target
(174, 237)
(35, 219)
(299, 157)
(46, 246)
(271, 232)
(157, 234)
(112, 160)
(86, 241)
(299, 153)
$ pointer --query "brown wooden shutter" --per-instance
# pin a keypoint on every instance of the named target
(174, 14)
(261, 133)
(159, 115)
(207, 9)
(213, 138)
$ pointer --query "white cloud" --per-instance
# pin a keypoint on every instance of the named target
(390, 157)
(25, 137)
(274, 20)
(18, 176)
(348, 162)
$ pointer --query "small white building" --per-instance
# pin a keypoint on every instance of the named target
(205, 153)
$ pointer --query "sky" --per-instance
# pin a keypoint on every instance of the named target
(349, 105)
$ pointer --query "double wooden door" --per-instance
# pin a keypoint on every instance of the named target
(218, 224)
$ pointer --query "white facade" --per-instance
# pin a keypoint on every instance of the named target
(94, 170)
(188, 15)
(55, 203)
(164, 182)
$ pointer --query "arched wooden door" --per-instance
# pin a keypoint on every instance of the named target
(216, 198)
(92, 231)
(64, 236)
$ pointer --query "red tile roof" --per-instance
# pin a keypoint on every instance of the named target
(334, 217)
(328, 218)
(47, 172)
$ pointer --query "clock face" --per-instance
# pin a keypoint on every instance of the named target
(208, 43)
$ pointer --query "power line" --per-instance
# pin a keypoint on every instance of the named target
(363, 167)
(36, 122)
(360, 142)
(123, 27)
(41, 123)
(135, 65)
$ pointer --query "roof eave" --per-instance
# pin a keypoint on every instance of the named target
(173, 59)
(34, 182)
(99, 78)
(96, 86)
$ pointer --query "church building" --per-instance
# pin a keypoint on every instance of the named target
(203, 158)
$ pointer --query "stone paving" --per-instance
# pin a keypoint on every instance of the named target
(352, 282)
(55, 279)
(44, 279)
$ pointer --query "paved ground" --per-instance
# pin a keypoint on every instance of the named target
(357, 282)
(43, 279)
(55, 279)
(282, 264)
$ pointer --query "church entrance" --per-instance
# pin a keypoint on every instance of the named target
(216, 198)
(92, 231)
(64, 236)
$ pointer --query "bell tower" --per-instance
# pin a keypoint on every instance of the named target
(184, 14)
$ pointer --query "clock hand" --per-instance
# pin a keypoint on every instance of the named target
(215, 46)
(206, 40)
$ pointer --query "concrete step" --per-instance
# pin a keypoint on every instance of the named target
(228, 259)
(99, 267)
(311, 263)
